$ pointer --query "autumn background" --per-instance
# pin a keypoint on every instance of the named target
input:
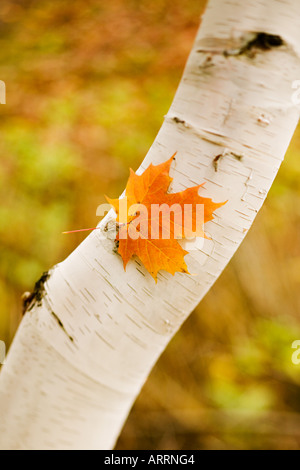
(88, 83)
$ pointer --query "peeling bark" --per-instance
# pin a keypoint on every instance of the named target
(62, 394)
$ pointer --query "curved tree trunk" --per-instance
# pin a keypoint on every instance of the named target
(83, 352)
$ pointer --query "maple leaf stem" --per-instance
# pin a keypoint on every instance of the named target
(81, 230)
(90, 229)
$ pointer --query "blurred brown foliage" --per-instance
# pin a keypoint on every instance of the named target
(88, 84)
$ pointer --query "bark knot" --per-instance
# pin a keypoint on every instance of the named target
(259, 42)
(31, 298)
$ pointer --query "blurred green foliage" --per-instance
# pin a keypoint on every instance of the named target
(88, 84)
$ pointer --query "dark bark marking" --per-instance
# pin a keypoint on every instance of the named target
(261, 42)
(31, 298)
(221, 155)
(62, 326)
(178, 120)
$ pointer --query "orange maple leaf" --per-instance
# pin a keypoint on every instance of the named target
(151, 220)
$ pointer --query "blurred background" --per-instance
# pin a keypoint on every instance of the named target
(88, 83)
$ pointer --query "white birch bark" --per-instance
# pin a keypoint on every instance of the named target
(232, 100)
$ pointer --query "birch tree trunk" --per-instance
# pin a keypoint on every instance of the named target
(83, 352)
